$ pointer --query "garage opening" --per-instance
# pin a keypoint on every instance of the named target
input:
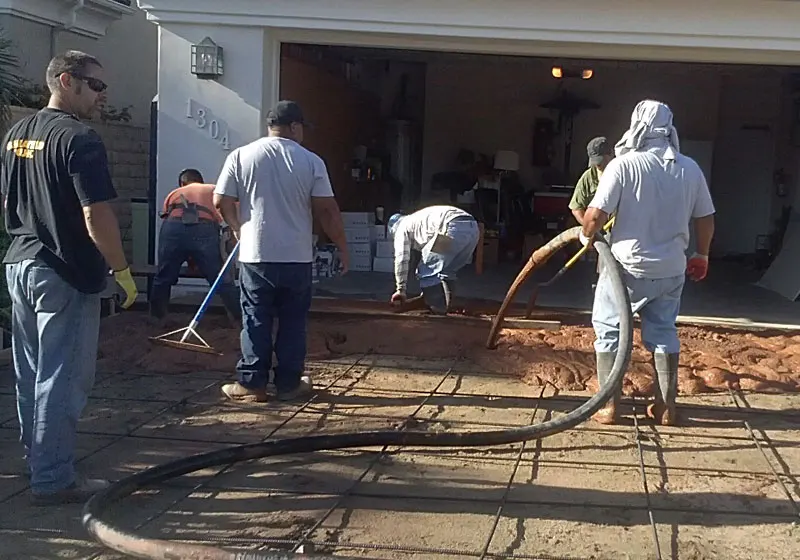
(505, 138)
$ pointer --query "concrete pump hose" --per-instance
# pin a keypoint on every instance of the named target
(136, 546)
(539, 257)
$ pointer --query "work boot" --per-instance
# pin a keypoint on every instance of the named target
(663, 410)
(436, 299)
(609, 414)
(304, 389)
(238, 392)
(77, 493)
(449, 288)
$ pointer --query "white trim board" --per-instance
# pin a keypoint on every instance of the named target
(732, 31)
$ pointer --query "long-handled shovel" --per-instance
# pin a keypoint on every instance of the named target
(560, 273)
(168, 339)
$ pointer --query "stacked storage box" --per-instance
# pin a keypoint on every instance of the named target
(359, 230)
(384, 253)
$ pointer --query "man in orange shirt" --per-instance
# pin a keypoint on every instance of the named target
(191, 231)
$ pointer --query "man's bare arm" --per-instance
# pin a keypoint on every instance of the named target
(704, 233)
(579, 214)
(593, 220)
(103, 227)
(326, 210)
(226, 205)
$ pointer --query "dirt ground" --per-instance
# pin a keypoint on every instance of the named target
(724, 486)
(712, 360)
(577, 495)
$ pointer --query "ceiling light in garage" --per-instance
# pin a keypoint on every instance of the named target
(559, 72)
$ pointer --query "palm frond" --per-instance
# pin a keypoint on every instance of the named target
(11, 85)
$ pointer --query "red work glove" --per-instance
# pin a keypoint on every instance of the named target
(697, 267)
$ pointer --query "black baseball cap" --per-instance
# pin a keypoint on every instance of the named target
(597, 148)
(285, 113)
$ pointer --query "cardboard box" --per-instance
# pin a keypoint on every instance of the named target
(379, 232)
(358, 234)
(359, 249)
(353, 219)
(491, 252)
(361, 264)
(383, 264)
(531, 243)
(384, 249)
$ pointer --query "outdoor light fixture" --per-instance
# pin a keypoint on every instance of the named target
(207, 59)
(559, 72)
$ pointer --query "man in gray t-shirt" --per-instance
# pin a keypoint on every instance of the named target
(280, 187)
(653, 191)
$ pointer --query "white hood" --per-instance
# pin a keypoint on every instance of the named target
(651, 127)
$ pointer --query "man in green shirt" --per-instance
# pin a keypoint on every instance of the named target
(600, 152)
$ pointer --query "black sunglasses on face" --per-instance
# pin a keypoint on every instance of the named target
(97, 86)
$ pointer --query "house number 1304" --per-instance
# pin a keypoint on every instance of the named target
(204, 120)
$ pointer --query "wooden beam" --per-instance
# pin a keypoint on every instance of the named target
(483, 321)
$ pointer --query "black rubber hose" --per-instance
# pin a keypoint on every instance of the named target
(155, 549)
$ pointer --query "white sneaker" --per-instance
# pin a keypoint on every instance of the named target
(305, 388)
(78, 492)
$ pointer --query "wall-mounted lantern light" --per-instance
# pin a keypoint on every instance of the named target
(207, 59)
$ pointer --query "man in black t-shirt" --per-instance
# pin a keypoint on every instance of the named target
(56, 190)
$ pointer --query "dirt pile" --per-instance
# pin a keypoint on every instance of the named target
(712, 360)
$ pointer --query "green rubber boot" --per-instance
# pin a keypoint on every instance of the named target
(609, 414)
(663, 410)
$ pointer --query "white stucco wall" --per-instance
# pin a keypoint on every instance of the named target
(235, 102)
(128, 51)
(32, 45)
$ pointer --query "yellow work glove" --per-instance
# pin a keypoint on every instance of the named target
(125, 280)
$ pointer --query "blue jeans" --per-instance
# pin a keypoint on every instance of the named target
(176, 243)
(437, 266)
(54, 343)
(657, 301)
(272, 291)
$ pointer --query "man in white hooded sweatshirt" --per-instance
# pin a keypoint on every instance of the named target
(654, 191)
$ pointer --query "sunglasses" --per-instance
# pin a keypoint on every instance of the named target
(97, 86)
